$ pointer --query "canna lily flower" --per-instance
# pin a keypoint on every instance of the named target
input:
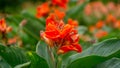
(99, 24)
(88, 9)
(92, 29)
(61, 3)
(117, 24)
(3, 27)
(12, 40)
(42, 10)
(101, 34)
(63, 36)
(110, 18)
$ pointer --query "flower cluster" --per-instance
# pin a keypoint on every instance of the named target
(98, 28)
(63, 36)
(47, 7)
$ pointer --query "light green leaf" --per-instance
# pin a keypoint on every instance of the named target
(4, 64)
(43, 52)
(112, 63)
(94, 55)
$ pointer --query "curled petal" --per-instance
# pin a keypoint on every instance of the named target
(51, 19)
(78, 47)
(59, 14)
(75, 38)
(67, 48)
(66, 30)
(52, 32)
(73, 22)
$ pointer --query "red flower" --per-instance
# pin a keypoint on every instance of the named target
(3, 27)
(42, 10)
(61, 3)
(65, 37)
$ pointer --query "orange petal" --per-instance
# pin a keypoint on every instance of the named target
(73, 22)
(66, 30)
(52, 32)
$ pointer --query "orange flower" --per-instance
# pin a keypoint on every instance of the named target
(101, 34)
(99, 24)
(12, 40)
(88, 9)
(73, 22)
(61, 3)
(60, 14)
(111, 18)
(65, 37)
(3, 26)
(92, 28)
(42, 10)
(117, 24)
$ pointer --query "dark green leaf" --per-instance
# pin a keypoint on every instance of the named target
(112, 63)
(4, 64)
(13, 55)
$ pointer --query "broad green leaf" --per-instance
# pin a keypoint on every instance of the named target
(33, 25)
(13, 55)
(111, 63)
(94, 55)
(29, 33)
(37, 61)
(42, 51)
(4, 64)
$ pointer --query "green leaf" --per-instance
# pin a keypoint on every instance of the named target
(112, 63)
(94, 55)
(4, 64)
(75, 11)
(43, 52)
(24, 65)
(37, 61)
(13, 55)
